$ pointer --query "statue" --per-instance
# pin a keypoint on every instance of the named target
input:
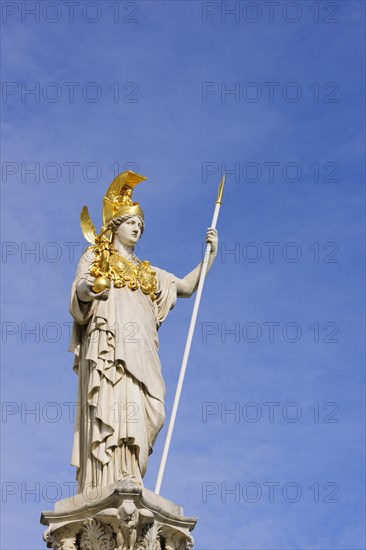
(118, 303)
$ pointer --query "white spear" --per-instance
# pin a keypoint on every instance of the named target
(189, 340)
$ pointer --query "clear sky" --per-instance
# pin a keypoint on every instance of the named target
(273, 94)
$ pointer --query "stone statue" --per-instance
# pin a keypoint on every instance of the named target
(118, 303)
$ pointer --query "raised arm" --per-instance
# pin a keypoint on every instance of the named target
(188, 285)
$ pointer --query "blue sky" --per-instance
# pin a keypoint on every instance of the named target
(181, 132)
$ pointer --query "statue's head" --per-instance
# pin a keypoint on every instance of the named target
(127, 229)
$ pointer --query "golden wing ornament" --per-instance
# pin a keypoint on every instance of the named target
(87, 226)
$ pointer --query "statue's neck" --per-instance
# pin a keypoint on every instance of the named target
(123, 249)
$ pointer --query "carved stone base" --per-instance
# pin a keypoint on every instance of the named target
(120, 517)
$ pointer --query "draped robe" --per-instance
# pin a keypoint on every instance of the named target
(120, 404)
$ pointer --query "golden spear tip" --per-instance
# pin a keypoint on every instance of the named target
(220, 190)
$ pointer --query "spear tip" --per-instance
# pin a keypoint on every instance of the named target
(221, 190)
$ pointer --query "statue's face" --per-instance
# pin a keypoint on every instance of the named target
(129, 231)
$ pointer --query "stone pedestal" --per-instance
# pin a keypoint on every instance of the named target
(120, 517)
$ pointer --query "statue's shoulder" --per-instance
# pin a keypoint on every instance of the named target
(86, 259)
(160, 272)
(163, 276)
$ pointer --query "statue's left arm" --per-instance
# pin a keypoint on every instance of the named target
(188, 285)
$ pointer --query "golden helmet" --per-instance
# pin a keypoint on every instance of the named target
(118, 201)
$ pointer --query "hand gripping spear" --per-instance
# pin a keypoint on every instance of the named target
(189, 340)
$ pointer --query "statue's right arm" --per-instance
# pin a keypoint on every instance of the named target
(85, 292)
(84, 282)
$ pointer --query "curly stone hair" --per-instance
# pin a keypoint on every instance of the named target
(116, 222)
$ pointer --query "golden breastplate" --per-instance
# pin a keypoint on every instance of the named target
(108, 263)
(134, 275)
